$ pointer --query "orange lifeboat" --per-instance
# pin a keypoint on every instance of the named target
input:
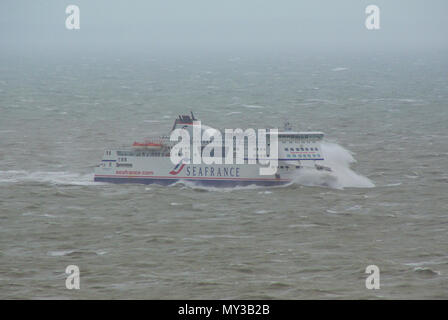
(147, 145)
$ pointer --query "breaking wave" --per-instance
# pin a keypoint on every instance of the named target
(51, 177)
(342, 176)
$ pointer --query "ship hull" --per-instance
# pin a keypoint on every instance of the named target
(202, 182)
(135, 165)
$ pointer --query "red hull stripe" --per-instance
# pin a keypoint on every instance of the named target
(176, 172)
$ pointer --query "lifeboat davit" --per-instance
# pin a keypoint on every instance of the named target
(147, 145)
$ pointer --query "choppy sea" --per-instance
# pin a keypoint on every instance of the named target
(386, 123)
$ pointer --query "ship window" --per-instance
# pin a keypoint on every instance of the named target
(281, 167)
(297, 167)
(306, 149)
(297, 149)
(301, 149)
(286, 149)
(292, 149)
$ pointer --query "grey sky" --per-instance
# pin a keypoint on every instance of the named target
(222, 25)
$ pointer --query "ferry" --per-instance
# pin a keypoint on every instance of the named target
(149, 161)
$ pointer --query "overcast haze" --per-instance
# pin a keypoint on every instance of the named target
(221, 26)
(379, 96)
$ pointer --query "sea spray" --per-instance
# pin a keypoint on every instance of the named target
(342, 176)
(50, 177)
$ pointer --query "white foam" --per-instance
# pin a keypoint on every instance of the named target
(393, 184)
(198, 186)
(339, 69)
(253, 106)
(342, 176)
(51, 177)
(60, 253)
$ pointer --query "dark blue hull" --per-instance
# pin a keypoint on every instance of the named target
(202, 182)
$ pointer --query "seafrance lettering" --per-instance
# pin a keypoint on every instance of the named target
(196, 171)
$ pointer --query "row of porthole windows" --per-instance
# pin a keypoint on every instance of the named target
(142, 154)
(302, 149)
(303, 155)
(299, 141)
(287, 167)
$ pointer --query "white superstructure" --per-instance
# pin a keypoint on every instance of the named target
(149, 161)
